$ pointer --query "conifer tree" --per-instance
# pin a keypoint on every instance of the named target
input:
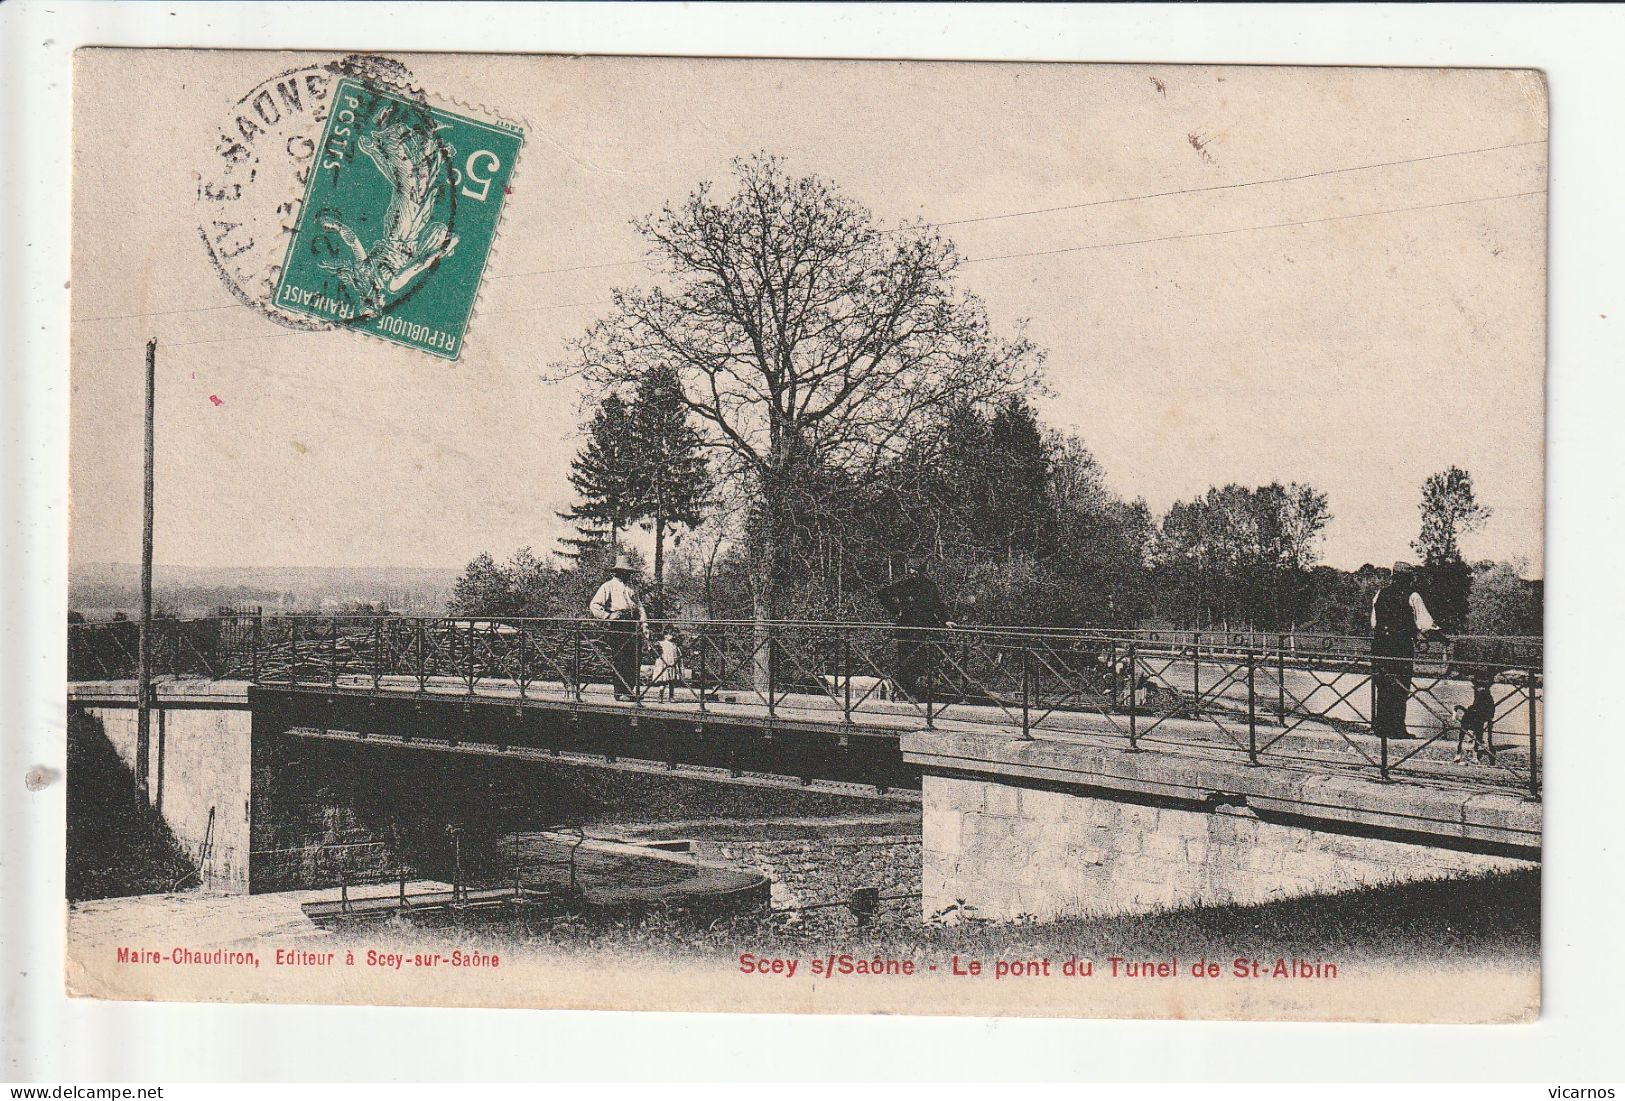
(673, 479)
(606, 473)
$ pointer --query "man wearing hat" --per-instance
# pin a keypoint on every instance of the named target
(616, 602)
(916, 605)
(1398, 617)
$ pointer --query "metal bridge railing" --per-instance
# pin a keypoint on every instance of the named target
(1270, 697)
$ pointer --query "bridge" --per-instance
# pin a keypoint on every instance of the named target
(1057, 769)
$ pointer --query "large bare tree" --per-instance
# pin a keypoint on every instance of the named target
(808, 341)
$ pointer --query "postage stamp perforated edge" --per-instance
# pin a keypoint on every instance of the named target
(481, 115)
(520, 126)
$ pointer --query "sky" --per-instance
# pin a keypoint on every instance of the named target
(1331, 276)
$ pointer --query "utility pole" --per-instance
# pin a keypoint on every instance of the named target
(143, 699)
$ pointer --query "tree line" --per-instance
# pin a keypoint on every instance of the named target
(809, 397)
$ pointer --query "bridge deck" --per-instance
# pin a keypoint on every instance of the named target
(1309, 744)
(1305, 744)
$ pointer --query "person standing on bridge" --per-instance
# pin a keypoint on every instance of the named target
(916, 606)
(1399, 616)
(617, 603)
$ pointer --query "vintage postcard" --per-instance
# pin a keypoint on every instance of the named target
(812, 536)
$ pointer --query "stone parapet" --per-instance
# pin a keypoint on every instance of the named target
(1503, 823)
(173, 694)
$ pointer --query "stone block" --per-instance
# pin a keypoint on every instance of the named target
(1002, 800)
(1261, 858)
(952, 792)
(1046, 806)
(1148, 894)
(1126, 842)
(1166, 845)
(940, 829)
(983, 829)
(1319, 867)
(1096, 814)
(1091, 855)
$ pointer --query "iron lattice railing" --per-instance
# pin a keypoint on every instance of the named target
(1270, 697)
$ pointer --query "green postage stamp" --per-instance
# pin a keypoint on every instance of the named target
(398, 218)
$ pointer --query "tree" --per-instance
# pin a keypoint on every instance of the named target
(707, 573)
(606, 472)
(528, 586)
(589, 539)
(534, 584)
(672, 478)
(1016, 471)
(485, 589)
(805, 340)
(1449, 509)
(1501, 603)
(1243, 555)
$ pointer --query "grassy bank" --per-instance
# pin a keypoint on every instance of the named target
(1462, 921)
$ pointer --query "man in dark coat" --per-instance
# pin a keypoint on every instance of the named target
(916, 606)
(1399, 617)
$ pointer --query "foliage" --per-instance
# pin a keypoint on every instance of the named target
(1340, 600)
(485, 589)
(1242, 556)
(1449, 509)
(856, 407)
(1502, 603)
(526, 585)
(1446, 585)
(672, 477)
(809, 343)
(607, 472)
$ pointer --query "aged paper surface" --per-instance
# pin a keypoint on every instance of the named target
(733, 535)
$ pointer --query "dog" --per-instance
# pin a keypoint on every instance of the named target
(1477, 720)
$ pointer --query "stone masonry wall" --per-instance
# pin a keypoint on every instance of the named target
(309, 826)
(818, 872)
(198, 779)
(1010, 850)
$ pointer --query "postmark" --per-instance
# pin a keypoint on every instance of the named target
(398, 216)
(247, 201)
(248, 198)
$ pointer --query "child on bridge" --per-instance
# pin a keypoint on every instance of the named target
(667, 672)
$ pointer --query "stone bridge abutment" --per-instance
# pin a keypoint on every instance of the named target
(1047, 829)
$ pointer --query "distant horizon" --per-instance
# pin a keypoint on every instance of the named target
(501, 556)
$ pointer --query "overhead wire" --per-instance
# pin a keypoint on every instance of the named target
(1252, 229)
(1007, 255)
(1210, 188)
(1230, 186)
